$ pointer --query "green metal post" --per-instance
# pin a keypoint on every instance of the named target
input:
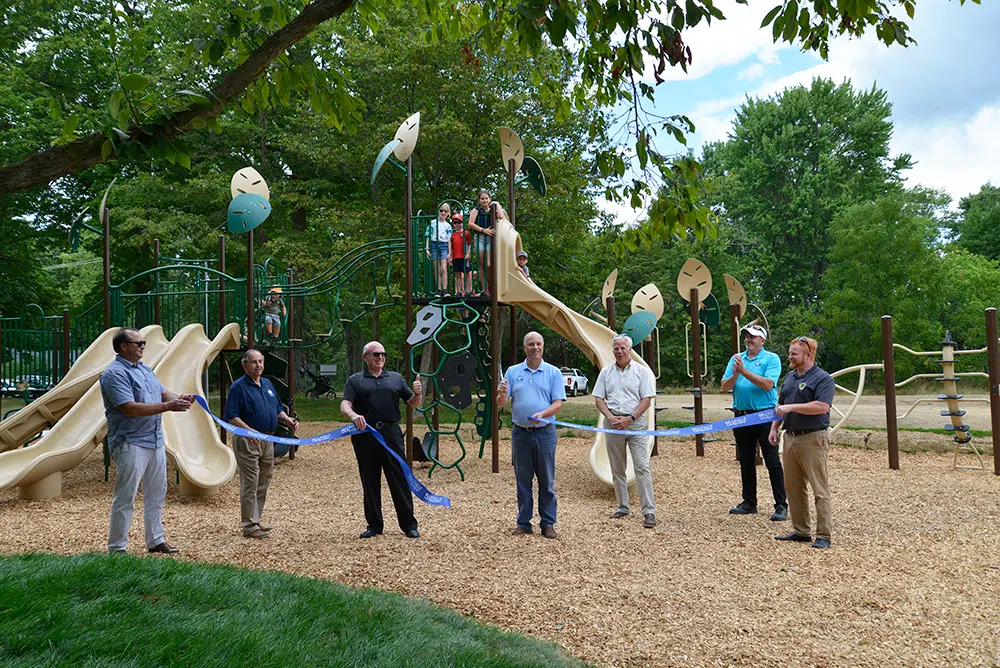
(408, 212)
(222, 322)
(156, 282)
(106, 228)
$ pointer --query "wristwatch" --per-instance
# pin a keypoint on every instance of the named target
(634, 418)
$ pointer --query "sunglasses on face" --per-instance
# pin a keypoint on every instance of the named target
(377, 354)
(139, 344)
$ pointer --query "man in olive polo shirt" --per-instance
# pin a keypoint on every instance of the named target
(804, 408)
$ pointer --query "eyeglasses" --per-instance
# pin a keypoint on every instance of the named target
(377, 354)
(139, 344)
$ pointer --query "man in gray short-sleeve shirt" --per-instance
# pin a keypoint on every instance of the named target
(804, 408)
(133, 403)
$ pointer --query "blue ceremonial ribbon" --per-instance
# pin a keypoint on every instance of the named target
(748, 420)
(415, 485)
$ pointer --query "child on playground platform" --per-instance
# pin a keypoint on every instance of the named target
(522, 265)
(436, 246)
(481, 222)
(461, 243)
(274, 311)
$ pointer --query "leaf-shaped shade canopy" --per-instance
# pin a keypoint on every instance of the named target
(511, 147)
(383, 155)
(407, 136)
(248, 180)
(737, 295)
(247, 211)
(694, 274)
(609, 286)
(648, 298)
(638, 326)
(533, 175)
(710, 314)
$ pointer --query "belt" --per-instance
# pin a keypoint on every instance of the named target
(738, 413)
(803, 432)
(532, 428)
(383, 425)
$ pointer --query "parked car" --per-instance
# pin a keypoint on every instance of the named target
(575, 382)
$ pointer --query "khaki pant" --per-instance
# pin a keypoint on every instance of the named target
(617, 457)
(255, 460)
(805, 461)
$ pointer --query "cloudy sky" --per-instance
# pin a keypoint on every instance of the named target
(945, 91)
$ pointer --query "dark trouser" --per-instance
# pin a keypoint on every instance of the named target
(535, 457)
(747, 439)
(372, 461)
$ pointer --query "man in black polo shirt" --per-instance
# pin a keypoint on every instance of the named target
(371, 397)
(253, 404)
(804, 406)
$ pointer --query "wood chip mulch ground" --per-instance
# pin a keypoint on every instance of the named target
(913, 578)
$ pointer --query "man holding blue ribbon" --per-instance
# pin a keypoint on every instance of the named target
(753, 378)
(371, 399)
(253, 404)
(134, 401)
(536, 390)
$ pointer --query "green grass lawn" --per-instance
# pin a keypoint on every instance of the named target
(100, 610)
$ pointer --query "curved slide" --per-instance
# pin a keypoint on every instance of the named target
(592, 338)
(37, 469)
(47, 409)
(192, 439)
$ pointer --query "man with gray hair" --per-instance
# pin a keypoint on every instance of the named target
(622, 393)
(134, 401)
(253, 404)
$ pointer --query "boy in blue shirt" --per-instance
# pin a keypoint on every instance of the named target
(753, 378)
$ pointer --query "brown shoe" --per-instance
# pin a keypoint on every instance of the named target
(264, 528)
(618, 514)
(164, 547)
(521, 531)
(257, 533)
(549, 531)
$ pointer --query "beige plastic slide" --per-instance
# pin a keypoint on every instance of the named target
(37, 469)
(47, 409)
(592, 338)
(192, 438)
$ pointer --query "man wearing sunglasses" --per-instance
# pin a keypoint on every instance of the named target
(804, 412)
(371, 398)
(133, 403)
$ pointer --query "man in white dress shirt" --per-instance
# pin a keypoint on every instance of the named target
(623, 393)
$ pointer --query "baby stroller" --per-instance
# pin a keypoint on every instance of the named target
(321, 386)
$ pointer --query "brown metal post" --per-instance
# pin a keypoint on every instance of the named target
(699, 446)
(889, 385)
(610, 306)
(513, 334)
(222, 323)
(156, 282)
(495, 362)
(251, 322)
(106, 229)
(290, 371)
(408, 212)
(650, 357)
(65, 342)
(993, 362)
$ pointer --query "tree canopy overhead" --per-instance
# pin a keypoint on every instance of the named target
(129, 80)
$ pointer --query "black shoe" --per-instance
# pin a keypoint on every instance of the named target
(797, 537)
(822, 543)
(370, 533)
(743, 509)
(412, 533)
(780, 514)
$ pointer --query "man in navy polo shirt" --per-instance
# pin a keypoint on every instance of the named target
(804, 412)
(134, 400)
(753, 377)
(253, 403)
(536, 390)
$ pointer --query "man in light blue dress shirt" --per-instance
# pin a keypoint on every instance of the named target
(536, 390)
(133, 403)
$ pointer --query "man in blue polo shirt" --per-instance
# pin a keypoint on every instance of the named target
(536, 390)
(134, 400)
(253, 403)
(753, 377)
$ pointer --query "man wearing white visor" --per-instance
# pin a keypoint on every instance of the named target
(753, 378)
